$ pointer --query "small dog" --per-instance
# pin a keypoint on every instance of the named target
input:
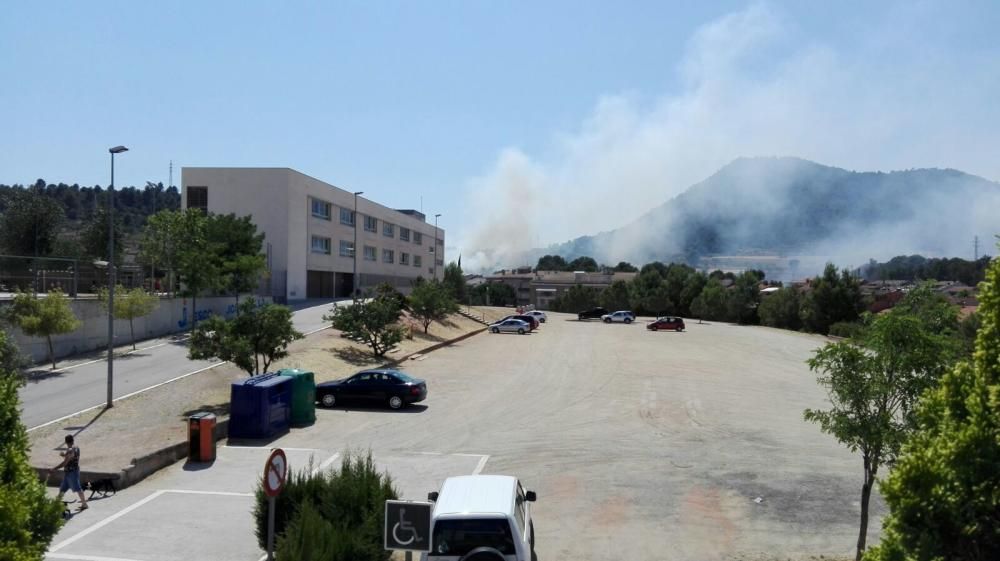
(105, 487)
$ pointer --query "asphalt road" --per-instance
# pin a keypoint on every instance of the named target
(640, 445)
(82, 383)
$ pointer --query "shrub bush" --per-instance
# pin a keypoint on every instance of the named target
(346, 508)
(846, 329)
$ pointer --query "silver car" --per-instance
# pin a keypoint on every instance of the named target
(540, 316)
(511, 326)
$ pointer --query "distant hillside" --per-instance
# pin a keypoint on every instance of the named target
(790, 206)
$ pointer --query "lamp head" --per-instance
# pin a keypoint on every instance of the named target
(117, 149)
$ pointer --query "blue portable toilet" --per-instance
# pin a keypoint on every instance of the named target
(260, 406)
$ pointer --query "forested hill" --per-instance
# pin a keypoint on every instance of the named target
(794, 206)
(79, 204)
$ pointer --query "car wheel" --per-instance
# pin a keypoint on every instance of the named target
(520, 331)
(654, 328)
(679, 329)
(607, 320)
(328, 400)
(542, 320)
(395, 402)
(495, 330)
(628, 320)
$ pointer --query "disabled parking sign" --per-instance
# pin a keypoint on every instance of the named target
(408, 525)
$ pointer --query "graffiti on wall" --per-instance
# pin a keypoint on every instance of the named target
(206, 313)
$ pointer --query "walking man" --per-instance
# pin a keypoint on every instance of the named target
(71, 469)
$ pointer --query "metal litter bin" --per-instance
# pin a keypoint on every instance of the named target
(201, 437)
(303, 396)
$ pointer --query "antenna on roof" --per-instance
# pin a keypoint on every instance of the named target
(975, 243)
(421, 204)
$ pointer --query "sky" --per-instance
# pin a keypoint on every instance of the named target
(522, 123)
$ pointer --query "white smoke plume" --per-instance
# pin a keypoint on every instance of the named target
(896, 96)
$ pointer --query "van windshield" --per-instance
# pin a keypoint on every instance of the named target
(458, 537)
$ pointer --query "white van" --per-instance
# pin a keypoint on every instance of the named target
(482, 517)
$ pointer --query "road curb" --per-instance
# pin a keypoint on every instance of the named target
(434, 347)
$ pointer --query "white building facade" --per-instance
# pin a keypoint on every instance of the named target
(309, 229)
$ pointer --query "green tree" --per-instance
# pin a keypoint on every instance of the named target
(95, 237)
(197, 258)
(29, 518)
(551, 263)
(712, 304)
(494, 294)
(582, 263)
(648, 294)
(625, 267)
(30, 222)
(576, 299)
(674, 282)
(742, 298)
(781, 309)
(130, 304)
(615, 296)
(431, 301)
(255, 338)
(833, 298)
(454, 282)
(237, 244)
(329, 515)
(874, 382)
(373, 321)
(44, 317)
(943, 492)
(693, 286)
(161, 242)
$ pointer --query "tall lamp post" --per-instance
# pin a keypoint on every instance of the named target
(354, 283)
(436, 216)
(111, 276)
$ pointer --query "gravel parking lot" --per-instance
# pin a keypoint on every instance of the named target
(641, 445)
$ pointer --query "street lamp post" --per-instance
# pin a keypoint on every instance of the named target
(354, 283)
(111, 276)
(436, 216)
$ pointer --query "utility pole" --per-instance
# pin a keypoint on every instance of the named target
(436, 216)
(355, 287)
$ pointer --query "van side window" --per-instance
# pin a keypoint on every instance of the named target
(519, 510)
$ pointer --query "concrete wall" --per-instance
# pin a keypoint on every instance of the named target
(172, 315)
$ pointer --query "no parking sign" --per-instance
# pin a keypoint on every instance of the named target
(275, 473)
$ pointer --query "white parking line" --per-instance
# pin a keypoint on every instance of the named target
(87, 531)
(73, 557)
(126, 396)
(480, 465)
(326, 463)
(218, 493)
(272, 448)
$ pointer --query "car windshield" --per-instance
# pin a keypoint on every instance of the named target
(458, 537)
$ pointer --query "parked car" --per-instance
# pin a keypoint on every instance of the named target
(666, 322)
(530, 320)
(391, 387)
(540, 316)
(511, 325)
(488, 516)
(621, 316)
(593, 313)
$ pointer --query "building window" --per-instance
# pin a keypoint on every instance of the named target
(417, 261)
(404, 258)
(369, 253)
(404, 234)
(346, 216)
(418, 238)
(440, 262)
(320, 245)
(346, 248)
(198, 198)
(371, 224)
(321, 209)
(388, 230)
(388, 256)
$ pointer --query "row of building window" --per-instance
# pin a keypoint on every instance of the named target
(324, 210)
(323, 245)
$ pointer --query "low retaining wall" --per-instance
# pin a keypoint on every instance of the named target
(171, 316)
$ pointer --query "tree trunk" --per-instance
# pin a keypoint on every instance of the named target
(866, 493)
(52, 354)
(131, 328)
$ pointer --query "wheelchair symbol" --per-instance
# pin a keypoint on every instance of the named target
(405, 526)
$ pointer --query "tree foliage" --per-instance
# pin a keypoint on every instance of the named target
(583, 263)
(29, 223)
(493, 294)
(431, 301)
(329, 515)
(576, 299)
(130, 304)
(944, 492)
(161, 242)
(874, 382)
(781, 309)
(454, 282)
(255, 338)
(615, 296)
(94, 241)
(918, 267)
(625, 267)
(833, 298)
(44, 317)
(197, 258)
(372, 321)
(29, 518)
(551, 263)
(239, 258)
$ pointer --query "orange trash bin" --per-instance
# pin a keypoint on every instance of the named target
(201, 437)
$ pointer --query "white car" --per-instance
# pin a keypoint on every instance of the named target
(621, 316)
(540, 316)
(485, 514)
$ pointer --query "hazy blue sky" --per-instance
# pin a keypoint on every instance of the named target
(479, 106)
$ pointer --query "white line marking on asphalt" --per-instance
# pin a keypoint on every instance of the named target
(72, 366)
(73, 557)
(326, 463)
(87, 531)
(126, 396)
(219, 493)
(317, 330)
(272, 448)
(480, 465)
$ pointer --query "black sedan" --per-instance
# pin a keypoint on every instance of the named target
(390, 387)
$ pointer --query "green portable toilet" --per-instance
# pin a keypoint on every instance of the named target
(303, 396)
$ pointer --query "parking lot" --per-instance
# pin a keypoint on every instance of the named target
(640, 445)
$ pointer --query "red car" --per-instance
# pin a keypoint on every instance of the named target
(668, 322)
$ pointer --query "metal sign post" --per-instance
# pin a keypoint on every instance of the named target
(408, 526)
(275, 473)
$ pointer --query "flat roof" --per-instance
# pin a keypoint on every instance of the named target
(478, 494)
